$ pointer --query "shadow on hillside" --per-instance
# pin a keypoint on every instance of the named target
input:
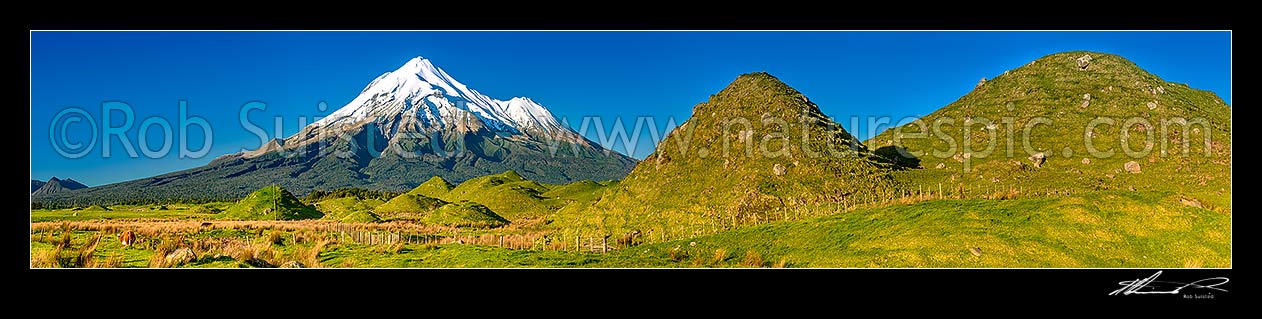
(897, 156)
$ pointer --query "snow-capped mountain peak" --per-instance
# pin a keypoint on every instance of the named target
(437, 101)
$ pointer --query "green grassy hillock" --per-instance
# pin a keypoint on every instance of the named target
(782, 154)
(408, 206)
(1054, 89)
(349, 209)
(271, 203)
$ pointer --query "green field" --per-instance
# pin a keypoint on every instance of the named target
(1096, 229)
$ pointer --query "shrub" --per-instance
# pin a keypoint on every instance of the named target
(753, 259)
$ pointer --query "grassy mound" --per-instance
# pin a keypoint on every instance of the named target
(435, 187)
(464, 214)
(506, 193)
(1062, 99)
(349, 209)
(408, 207)
(753, 151)
(271, 203)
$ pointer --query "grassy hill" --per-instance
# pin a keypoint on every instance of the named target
(349, 209)
(271, 203)
(464, 214)
(752, 152)
(1061, 99)
(408, 207)
(435, 187)
(507, 193)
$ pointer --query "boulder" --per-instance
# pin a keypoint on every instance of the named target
(980, 83)
(1086, 100)
(1038, 159)
(256, 262)
(180, 256)
(1152, 105)
(1191, 202)
(1132, 167)
(778, 169)
(1084, 61)
(941, 166)
(293, 264)
(1086, 161)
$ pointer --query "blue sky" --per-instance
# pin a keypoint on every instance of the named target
(575, 74)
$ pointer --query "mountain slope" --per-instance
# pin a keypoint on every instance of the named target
(35, 185)
(406, 126)
(56, 185)
(1062, 97)
(754, 152)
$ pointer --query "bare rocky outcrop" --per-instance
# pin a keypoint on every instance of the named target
(1132, 167)
(1038, 159)
(180, 256)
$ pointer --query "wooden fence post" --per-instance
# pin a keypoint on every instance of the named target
(604, 244)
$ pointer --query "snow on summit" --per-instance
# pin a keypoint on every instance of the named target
(422, 97)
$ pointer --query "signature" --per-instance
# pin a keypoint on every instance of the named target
(1151, 285)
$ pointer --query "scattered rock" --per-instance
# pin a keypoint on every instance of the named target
(1108, 175)
(1084, 61)
(778, 169)
(1161, 90)
(1191, 202)
(795, 163)
(1086, 161)
(968, 155)
(1086, 100)
(180, 256)
(293, 264)
(992, 126)
(976, 251)
(1132, 188)
(980, 83)
(692, 244)
(1196, 130)
(958, 158)
(1132, 167)
(941, 166)
(259, 263)
(1152, 105)
(1038, 159)
(745, 135)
